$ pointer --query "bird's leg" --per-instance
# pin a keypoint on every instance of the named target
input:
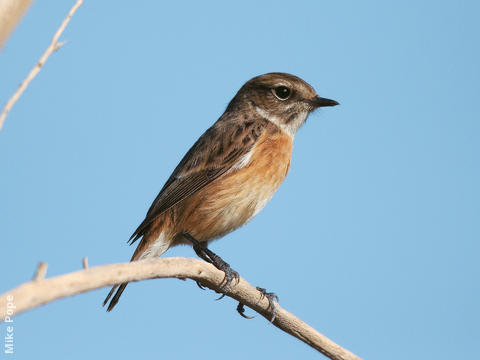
(209, 256)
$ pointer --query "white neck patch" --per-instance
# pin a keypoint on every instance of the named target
(290, 128)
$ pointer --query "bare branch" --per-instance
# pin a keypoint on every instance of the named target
(39, 292)
(54, 45)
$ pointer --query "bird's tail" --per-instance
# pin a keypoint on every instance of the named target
(116, 297)
(144, 250)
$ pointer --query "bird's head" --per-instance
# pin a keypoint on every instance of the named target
(284, 99)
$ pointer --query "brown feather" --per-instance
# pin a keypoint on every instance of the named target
(231, 200)
(214, 154)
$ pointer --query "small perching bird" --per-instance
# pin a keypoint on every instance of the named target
(229, 174)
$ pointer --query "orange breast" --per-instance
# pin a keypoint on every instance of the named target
(233, 199)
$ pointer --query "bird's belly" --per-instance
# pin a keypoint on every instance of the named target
(235, 198)
(236, 205)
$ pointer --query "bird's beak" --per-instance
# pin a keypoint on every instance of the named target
(318, 101)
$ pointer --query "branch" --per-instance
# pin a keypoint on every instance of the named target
(54, 46)
(41, 291)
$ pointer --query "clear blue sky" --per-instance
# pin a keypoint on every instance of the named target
(373, 238)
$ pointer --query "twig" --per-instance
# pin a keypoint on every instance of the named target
(85, 262)
(40, 272)
(35, 293)
(54, 45)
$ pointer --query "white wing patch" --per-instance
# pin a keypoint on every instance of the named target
(244, 160)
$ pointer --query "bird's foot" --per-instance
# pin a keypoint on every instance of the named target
(209, 256)
(271, 297)
(241, 311)
(230, 275)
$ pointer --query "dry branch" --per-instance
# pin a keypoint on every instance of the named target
(54, 46)
(42, 291)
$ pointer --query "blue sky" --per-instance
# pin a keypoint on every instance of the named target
(373, 237)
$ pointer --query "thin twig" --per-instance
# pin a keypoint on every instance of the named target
(54, 45)
(85, 262)
(35, 293)
(40, 272)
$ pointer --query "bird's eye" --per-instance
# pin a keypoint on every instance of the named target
(282, 92)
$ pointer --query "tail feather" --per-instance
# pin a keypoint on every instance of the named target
(115, 299)
(141, 248)
(145, 249)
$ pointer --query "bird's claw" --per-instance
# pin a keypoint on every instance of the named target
(241, 311)
(209, 256)
(230, 276)
(272, 298)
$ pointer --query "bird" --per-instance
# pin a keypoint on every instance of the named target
(229, 174)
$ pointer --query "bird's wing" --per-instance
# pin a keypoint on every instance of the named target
(220, 149)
